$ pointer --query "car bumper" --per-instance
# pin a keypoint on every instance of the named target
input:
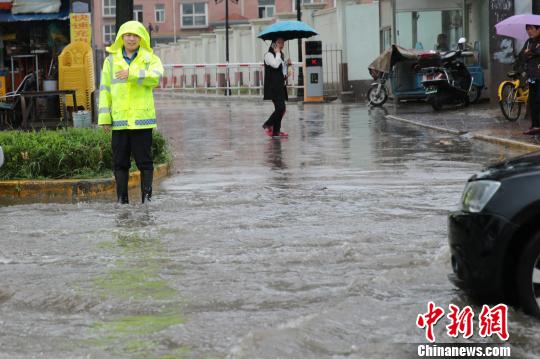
(477, 245)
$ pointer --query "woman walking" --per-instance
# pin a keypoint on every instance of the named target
(275, 89)
(531, 55)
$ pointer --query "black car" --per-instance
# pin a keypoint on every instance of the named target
(495, 237)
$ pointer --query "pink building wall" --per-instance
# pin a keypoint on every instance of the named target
(244, 11)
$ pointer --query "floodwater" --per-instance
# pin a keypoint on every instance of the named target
(326, 244)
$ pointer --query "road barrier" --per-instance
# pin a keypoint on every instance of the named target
(233, 78)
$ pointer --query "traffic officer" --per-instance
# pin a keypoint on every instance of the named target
(126, 104)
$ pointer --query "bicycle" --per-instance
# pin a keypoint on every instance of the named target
(512, 96)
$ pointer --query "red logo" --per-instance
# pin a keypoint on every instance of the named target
(429, 319)
(490, 321)
(493, 321)
(460, 321)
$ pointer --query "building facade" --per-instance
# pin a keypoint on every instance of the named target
(418, 23)
(172, 20)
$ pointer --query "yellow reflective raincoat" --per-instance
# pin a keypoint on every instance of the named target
(129, 104)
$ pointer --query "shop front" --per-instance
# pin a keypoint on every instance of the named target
(438, 25)
(32, 36)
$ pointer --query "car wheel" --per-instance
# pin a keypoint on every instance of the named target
(528, 277)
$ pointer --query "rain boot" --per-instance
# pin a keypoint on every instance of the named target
(122, 178)
(146, 185)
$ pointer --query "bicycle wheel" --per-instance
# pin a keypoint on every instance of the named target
(510, 108)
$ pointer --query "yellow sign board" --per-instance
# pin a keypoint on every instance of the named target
(80, 27)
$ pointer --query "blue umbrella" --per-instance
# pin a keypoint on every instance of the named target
(287, 30)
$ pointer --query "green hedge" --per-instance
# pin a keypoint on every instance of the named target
(67, 153)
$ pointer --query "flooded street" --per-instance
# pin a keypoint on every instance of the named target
(325, 244)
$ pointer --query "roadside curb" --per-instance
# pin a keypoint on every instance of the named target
(171, 94)
(506, 142)
(163, 94)
(519, 145)
(69, 189)
(437, 128)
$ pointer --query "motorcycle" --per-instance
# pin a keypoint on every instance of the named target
(449, 82)
(377, 94)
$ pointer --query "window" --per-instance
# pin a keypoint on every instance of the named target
(159, 9)
(386, 38)
(429, 29)
(109, 7)
(109, 34)
(266, 8)
(303, 2)
(194, 14)
(138, 13)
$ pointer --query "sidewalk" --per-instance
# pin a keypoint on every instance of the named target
(478, 121)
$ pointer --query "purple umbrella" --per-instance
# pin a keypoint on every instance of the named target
(514, 26)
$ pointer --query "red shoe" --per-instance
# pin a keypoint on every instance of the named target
(532, 131)
(283, 134)
(268, 130)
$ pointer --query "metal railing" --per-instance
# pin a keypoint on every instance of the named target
(332, 60)
(234, 78)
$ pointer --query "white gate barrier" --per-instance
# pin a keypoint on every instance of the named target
(236, 78)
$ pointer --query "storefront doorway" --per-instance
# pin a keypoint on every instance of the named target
(429, 30)
(429, 25)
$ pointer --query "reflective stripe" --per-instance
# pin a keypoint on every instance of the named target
(104, 88)
(150, 121)
(118, 81)
(158, 73)
(104, 110)
(119, 123)
(141, 77)
(111, 67)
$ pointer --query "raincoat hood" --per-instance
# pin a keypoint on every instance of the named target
(132, 27)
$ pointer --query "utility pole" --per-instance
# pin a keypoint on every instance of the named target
(227, 80)
(227, 31)
(174, 19)
(300, 92)
(124, 12)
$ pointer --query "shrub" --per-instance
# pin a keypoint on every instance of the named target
(66, 153)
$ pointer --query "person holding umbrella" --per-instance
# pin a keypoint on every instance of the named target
(275, 68)
(275, 89)
(530, 54)
(527, 27)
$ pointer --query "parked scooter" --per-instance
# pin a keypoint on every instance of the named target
(448, 83)
(377, 94)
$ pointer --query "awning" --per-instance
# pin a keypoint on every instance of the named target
(7, 16)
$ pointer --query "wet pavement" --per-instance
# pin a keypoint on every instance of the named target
(325, 244)
(481, 119)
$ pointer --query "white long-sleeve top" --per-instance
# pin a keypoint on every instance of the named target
(274, 62)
